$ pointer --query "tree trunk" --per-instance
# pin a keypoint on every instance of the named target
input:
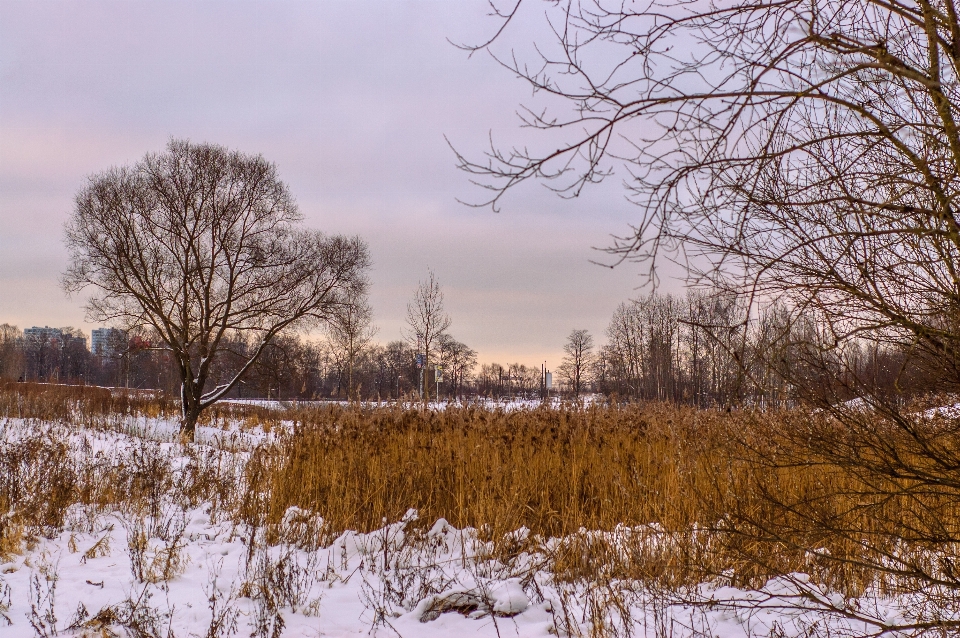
(426, 377)
(188, 426)
(189, 414)
(350, 392)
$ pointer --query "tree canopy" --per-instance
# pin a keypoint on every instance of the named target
(200, 242)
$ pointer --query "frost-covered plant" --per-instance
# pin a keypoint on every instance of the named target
(223, 613)
(405, 565)
(5, 602)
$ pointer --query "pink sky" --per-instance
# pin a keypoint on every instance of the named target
(352, 101)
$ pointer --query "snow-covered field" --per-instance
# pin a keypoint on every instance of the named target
(78, 583)
(180, 569)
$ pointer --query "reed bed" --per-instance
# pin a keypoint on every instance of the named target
(658, 494)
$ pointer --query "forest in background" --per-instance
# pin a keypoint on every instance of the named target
(702, 348)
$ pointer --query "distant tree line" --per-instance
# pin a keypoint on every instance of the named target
(703, 348)
(717, 349)
(289, 368)
(62, 356)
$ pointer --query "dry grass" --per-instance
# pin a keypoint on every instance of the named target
(82, 405)
(658, 494)
(553, 471)
(667, 480)
(92, 406)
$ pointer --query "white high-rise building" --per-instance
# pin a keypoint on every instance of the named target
(106, 342)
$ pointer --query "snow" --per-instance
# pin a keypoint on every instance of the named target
(269, 403)
(509, 598)
(190, 571)
(944, 412)
(341, 590)
(78, 579)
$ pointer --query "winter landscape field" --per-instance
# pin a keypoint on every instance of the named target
(394, 521)
(423, 319)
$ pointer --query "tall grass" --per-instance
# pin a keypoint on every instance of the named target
(653, 493)
(552, 471)
(81, 405)
(666, 479)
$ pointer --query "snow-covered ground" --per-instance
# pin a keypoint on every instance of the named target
(167, 430)
(943, 412)
(192, 571)
(80, 582)
(492, 404)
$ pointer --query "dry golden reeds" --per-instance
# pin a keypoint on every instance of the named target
(654, 493)
(86, 405)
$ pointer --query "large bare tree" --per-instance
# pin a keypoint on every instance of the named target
(808, 150)
(200, 242)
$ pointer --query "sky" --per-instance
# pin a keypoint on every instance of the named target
(354, 102)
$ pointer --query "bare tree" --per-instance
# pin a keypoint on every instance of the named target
(198, 242)
(350, 332)
(578, 360)
(42, 351)
(398, 361)
(11, 352)
(490, 380)
(277, 369)
(806, 152)
(524, 381)
(809, 151)
(74, 356)
(712, 337)
(458, 360)
(626, 339)
(427, 320)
